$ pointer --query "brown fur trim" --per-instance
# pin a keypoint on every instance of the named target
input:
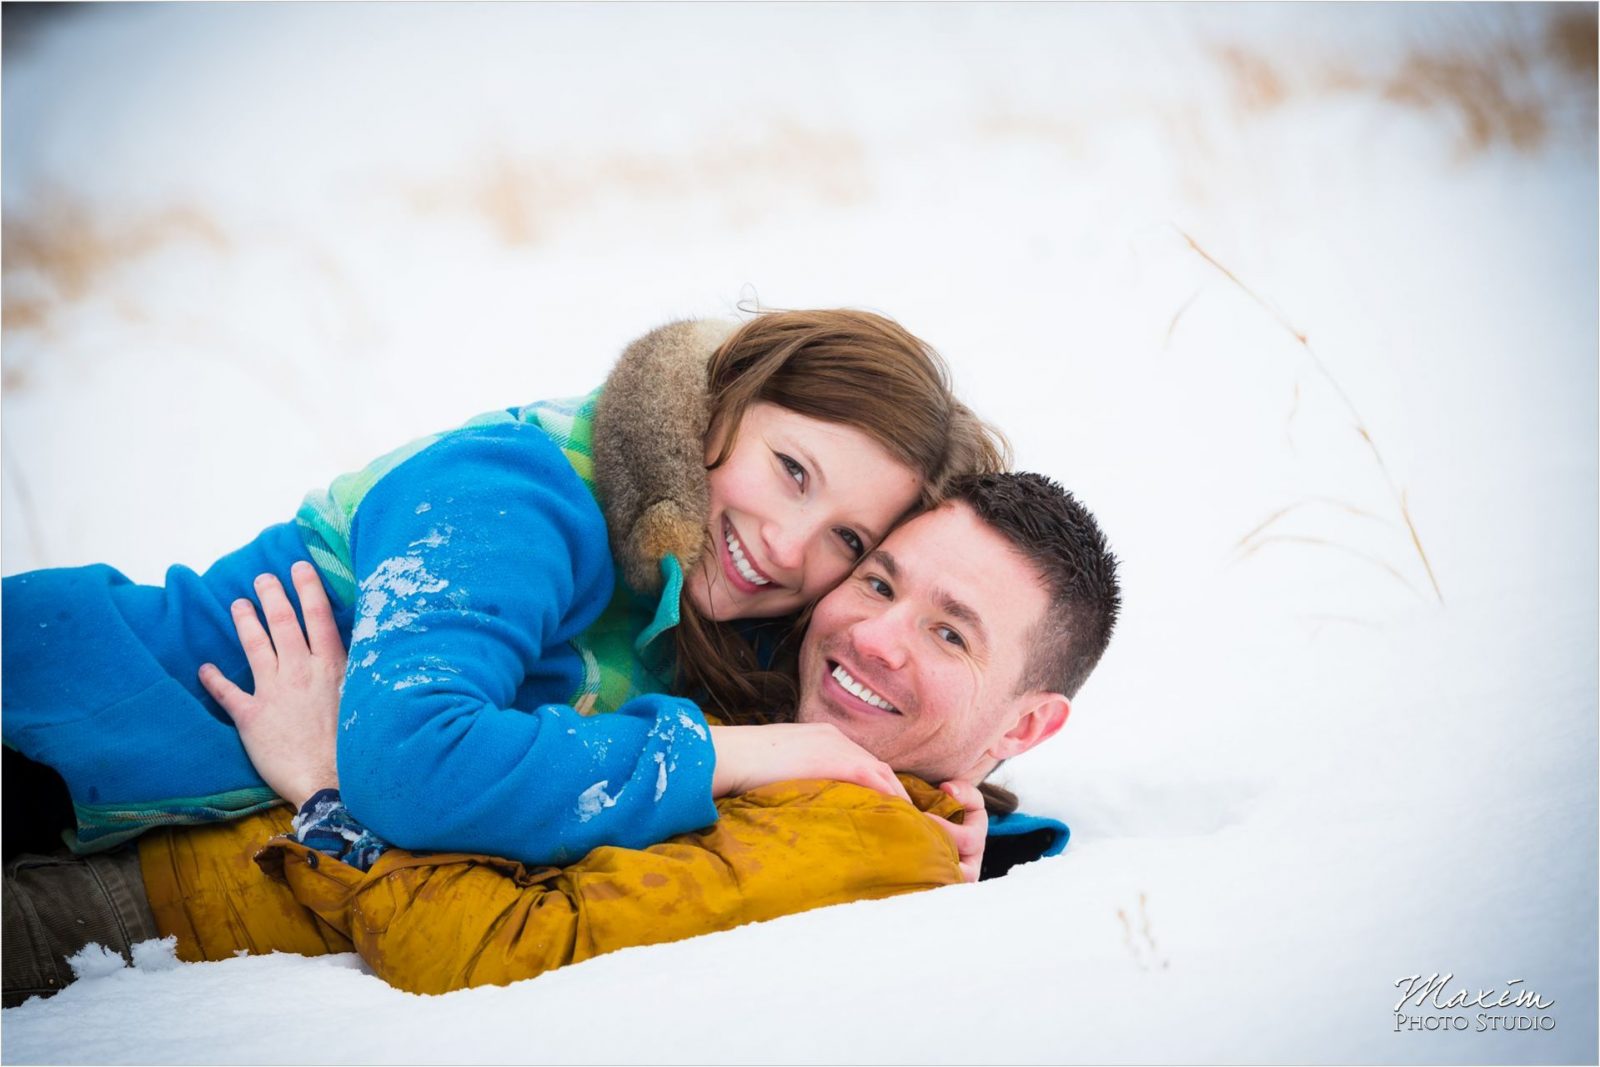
(649, 449)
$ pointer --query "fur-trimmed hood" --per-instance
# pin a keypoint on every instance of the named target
(649, 449)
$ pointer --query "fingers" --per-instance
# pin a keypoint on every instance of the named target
(969, 861)
(878, 776)
(894, 788)
(973, 832)
(880, 779)
(970, 798)
(282, 623)
(253, 639)
(234, 701)
(321, 631)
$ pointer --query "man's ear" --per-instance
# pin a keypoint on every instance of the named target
(1042, 715)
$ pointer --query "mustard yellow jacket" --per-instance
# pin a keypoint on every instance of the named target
(433, 922)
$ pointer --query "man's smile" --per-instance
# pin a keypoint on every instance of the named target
(846, 689)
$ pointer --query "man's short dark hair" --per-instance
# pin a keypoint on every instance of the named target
(1058, 535)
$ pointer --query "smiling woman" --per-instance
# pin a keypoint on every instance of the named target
(788, 533)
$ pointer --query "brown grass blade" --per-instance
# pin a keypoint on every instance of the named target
(1323, 542)
(1173, 325)
(1344, 397)
(1330, 501)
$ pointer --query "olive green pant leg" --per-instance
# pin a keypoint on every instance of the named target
(55, 905)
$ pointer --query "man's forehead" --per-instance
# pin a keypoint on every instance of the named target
(967, 568)
(950, 531)
(951, 552)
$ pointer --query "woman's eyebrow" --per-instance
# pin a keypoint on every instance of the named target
(812, 464)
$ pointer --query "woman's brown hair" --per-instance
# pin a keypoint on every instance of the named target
(855, 368)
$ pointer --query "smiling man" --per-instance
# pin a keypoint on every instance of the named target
(954, 646)
(959, 642)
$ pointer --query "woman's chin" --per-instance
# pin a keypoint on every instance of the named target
(716, 605)
(719, 604)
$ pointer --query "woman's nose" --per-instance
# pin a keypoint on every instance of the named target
(786, 543)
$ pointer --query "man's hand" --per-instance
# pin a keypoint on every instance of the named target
(970, 835)
(752, 756)
(290, 725)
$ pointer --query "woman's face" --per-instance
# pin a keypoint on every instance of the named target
(796, 504)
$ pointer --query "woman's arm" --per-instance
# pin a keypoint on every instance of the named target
(478, 561)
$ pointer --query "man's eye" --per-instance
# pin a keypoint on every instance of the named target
(947, 634)
(797, 472)
(879, 586)
(852, 541)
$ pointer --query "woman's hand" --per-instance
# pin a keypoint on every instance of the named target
(751, 756)
(970, 834)
(290, 724)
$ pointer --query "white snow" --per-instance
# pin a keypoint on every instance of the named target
(661, 775)
(594, 800)
(95, 961)
(157, 954)
(251, 247)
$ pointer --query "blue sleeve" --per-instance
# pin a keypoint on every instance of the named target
(477, 560)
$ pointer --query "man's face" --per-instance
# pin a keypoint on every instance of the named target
(917, 656)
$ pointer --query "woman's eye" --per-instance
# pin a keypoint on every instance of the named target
(797, 472)
(853, 542)
(947, 634)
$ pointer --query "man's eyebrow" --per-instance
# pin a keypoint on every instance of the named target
(957, 609)
(884, 560)
(962, 613)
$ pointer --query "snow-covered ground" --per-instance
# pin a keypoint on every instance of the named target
(250, 247)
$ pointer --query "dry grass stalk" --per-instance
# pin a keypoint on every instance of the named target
(1257, 86)
(1173, 325)
(1491, 75)
(1147, 953)
(70, 248)
(524, 200)
(1344, 397)
(1301, 539)
(1484, 96)
(1281, 512)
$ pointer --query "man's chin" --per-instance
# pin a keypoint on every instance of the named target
(847, 723)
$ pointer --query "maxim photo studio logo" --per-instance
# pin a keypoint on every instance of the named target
(1433, 1003)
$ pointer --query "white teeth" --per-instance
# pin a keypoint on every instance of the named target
(842, 676)
(747, 572)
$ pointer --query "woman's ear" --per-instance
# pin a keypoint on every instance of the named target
(1041, 715)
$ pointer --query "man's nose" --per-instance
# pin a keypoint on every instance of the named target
(882, 638)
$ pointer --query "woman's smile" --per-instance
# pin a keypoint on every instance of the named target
(742, 571)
